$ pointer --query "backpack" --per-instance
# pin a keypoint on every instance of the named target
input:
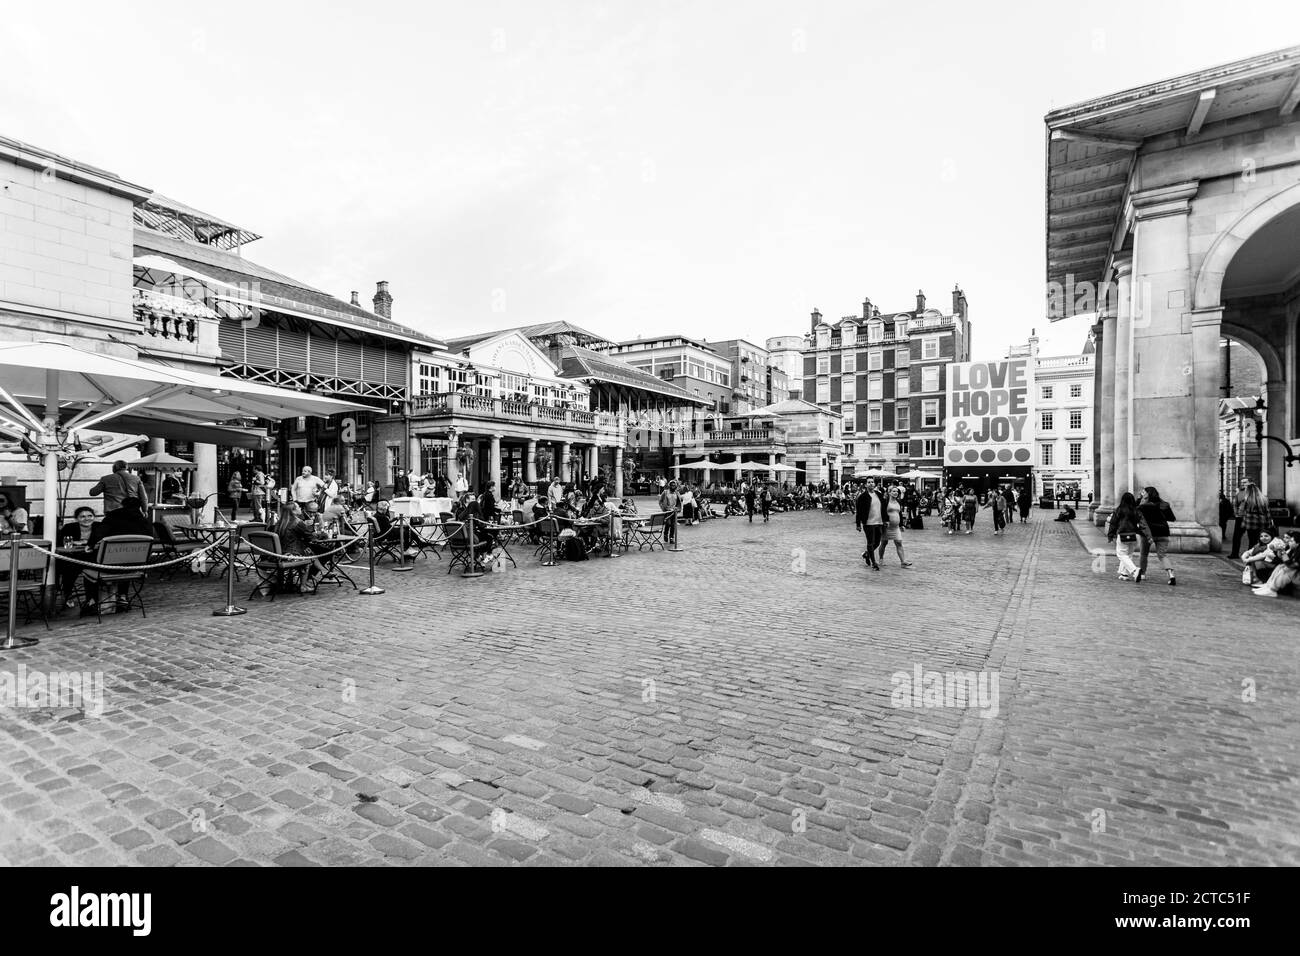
(573, 549)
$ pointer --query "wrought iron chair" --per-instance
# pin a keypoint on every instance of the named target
(32, 571)
(647, 533)
(275, 569)
(126, 550)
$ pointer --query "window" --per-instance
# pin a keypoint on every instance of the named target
(1076, 391)
(847, 427)
(848, 366)
(874, 386)
(930, 413)
(823, 365)
(900, 328)
(930, 378)
(428, 379)
(930, 448)
(873, 449)
(873, 419)
(1047, 392)
(823, 391)
(902, 418)
(724, 379)
(1076, 420)
(1045, 455)
(902, 449)
(848, 389)
(848, 334)
(902, 357)
(875, 331)
(930, 347)
(1047, 421)
(823, 338)
(902, 383)
(1076, 453)
(875, 360)
(848, 448)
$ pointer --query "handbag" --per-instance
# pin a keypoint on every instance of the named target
(1247, 576)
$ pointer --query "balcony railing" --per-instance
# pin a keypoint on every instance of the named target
(500, 409)
(747, 436)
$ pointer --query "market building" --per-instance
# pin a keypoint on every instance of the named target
(1173, 210)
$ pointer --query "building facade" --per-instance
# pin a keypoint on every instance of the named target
(1174, 211)
(1063, 418)
(785, 354)
(884, 377)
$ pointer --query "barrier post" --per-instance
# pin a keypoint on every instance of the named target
(550, 537)
(12, 641)
(401, 534)
(471, 569)
(673, 518)
(230, 610)
(370, 558)
(610, 551)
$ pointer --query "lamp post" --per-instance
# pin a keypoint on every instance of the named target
(1261, 417)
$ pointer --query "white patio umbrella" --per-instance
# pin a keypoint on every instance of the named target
(916, 473)
(80, 390)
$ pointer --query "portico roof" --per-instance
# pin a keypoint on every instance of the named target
(579, 363)
(1092, 148)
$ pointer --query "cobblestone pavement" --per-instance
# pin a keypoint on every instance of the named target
(730, 704)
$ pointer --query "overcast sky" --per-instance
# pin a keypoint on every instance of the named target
(715, 169)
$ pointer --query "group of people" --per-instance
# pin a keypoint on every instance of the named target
(1272, 560)
(1140, 525)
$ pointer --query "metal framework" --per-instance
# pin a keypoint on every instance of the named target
(307, 382)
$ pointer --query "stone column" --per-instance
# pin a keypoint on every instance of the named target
(1174, 395)
(530, 462)
(494, 464)
(1273, 467)
(562, 465)
(453, 468)
(618, 471)
(205, 477)
(1103, 401)
(677, 468)
(157, 446)
(412, 458)
(1119, 479)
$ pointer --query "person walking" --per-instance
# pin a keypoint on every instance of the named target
(670, 503)
(750, 495)
(765, 501)
(869, 512)
(1225, 515)
(970, 504)
(1238, 508)
(257, 494)
(997, 503)
(306, 487)
(1158, 514)
(1025, 502)
(1125, 527)
(1253, 518)
(892, 529)
(235, 489)
(401, 485)
(118, 486)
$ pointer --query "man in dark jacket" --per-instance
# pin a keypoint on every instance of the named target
(118, 487)
(870, 518)
(128, 519)
(401, 485)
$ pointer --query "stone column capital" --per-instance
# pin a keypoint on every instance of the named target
(1172, 200)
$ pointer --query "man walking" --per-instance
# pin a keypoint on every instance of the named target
(870, 517)
(119, 486)
(670, 502)
(749, 500)
(1239, 511)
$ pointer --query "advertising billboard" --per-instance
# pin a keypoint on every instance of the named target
(990, 413)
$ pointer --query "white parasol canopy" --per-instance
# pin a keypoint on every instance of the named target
(80, 390)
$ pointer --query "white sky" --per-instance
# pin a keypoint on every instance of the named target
(715, 169)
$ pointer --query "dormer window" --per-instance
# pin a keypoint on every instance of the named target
(823, 338)
(848, 335)
(900, 327)
(875, 331)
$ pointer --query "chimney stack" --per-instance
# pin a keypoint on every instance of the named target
(383, 301)
(866, 308)
(816, 318)
(958, 302)
(920, 301)
(355, 300)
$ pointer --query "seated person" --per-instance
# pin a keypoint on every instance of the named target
(1067, 514)
(1287, 571)
(127, 519)
(1263, 558)
(13, 519)
(75, 534)
(298, 538)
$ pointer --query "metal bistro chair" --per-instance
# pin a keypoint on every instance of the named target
(549, 531)
(126, 550)
(457, 538)
(32, 568)
(272, 569)
(170, 547)
(648, 533)
(388, 544)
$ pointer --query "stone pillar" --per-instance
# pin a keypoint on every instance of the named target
(157, 446)
(1119, 479)
(562, 466)
(1273, 467)
(1174, 395)
(530, 462)
(494, 464)
(618, 471)
(677, 468)
(1103, 399)
(205, 477)
(453, 467)
(412, 458)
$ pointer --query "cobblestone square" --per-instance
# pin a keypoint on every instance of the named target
(731, 704)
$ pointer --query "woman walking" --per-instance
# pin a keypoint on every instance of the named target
(1126, 525)
(235, 488)
(970, 504)
(1158, 514)
(1024, 501)
(893, 528)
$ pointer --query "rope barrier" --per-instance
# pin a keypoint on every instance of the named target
(152, 566)
(315, 554)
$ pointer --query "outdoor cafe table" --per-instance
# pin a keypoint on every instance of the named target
(210, 533)
(333, 563)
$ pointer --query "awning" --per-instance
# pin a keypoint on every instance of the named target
(254, 438)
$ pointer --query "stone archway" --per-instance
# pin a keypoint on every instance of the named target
(1208, 288)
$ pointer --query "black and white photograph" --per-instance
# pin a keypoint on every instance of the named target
(929, 372)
